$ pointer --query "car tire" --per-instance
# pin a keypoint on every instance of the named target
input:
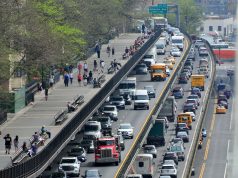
(135, 108)
(132, 137)
(117, 163)
(148, 108)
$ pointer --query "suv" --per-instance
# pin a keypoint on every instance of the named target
(178, 92)
(111, 111)
(106, 124)
(194, 97)
(169, 170)
(196, 91)
(182, 127)
(118, 101)
(70, 165)
(189, 107)
(150, 149)
(178, 148)
(193, 101)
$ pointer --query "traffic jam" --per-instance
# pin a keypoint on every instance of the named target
(99, 148)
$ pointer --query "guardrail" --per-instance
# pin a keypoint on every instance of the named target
(34, 166)
(194, 146)
(123, 169)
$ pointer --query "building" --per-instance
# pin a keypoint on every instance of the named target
(222, 26)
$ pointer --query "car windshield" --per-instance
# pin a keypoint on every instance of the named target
(67, 161)
(86, 142)
(175, 50)
(175, 148)
(141, 97)
(103, 119)
(176, 90)
(177, 41)
(167, 167)
(88, 128)
(182, 125)
(188, 106)
(181, 134)
(92, 173)
(125, 126)
(159, 46)
(195, 90)
(160, 71)
(105, 142)
(191, 101)
(127, 86)
(193, 97)
(149, 148)
(108, 108)
(117, 99)
(150, 56)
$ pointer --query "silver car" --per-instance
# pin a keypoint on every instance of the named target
(151, 150)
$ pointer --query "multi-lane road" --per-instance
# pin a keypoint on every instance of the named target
(214, 159)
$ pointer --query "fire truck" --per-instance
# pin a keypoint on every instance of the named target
(108, 150)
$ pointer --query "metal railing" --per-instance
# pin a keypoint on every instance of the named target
(45, 156)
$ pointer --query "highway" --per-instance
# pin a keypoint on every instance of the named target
(136, 118)
(214, 158)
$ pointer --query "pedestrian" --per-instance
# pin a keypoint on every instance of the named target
(80, 66)
(24, 147)
(127, 52)
(79, 79)
(44, 131)
(66, 79)
(97, 49)
(102, 64)
(95, 64)
(16, 143)
(51, 81)
(8, 143)
(90, 77)
(143, 28)
(85, 81)
(113, 51)
(85, 67)
(71, 77)
(108, 50)
(46, 93)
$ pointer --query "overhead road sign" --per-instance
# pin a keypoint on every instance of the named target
(158, 9)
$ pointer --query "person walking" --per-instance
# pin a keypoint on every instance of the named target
(95, 64)
(85, 81)
(66, 79)
(46, 93)
(90, 77)
(127, 52)
(80, 66)
(108, 51)
(113, 51)
(97, 49)
(16, 143)
(71, 77)
(85, 67)
(79, 79)
(8, 143)
(102, 64)
(143, 28)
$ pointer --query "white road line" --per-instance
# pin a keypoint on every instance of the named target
(225, 170)
(233, 103)
(228, 147)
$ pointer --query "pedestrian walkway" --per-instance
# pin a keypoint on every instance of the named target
(42, 112)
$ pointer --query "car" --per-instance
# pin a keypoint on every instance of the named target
(127, 99)
(106, 123)
(175, 52)
(220, 109)
(192, 114)
(178, 92)
(70, 165)
(188, 63)
(183, 78)
(151, 149)
(191, 55)
(223, 103)
(196, 91)
(58, 175)
(175, 141)
(199, 43)
(140, 69)
(202, 51)
(126, 130)
(204, 132)
(88, 145)
(168, 64)
(111, 111)
(194, 101)
(187, 71)
(189, 107)
(189, 66)
(194, 97)
(148, 62)
(168, 170)
(181, 127)
(122, 143)
(170, 162)
(171, 156)
(171, 59)
(167, 71)
(183, 135)
(230, 72)
(150, 90)
(179, 150)
(118, 101)
(222, 97)
(78, 152)
(92, 173)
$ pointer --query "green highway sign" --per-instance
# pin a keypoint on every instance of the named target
(158, 9)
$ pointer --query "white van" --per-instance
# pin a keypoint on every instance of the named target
(141, 100)
(177, 41)
(143, 165)
(160, 48)
(128, 86)
(134, 176)
(151, 54)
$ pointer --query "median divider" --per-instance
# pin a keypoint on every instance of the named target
(194, 146)
(130, 156)
(36, 165)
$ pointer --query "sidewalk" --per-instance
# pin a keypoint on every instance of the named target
(42, 112)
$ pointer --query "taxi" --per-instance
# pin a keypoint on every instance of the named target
(171, 59)
(220, 109)
(168, 64)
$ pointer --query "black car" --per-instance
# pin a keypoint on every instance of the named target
(189, 68)
(171, 156)
(187, 71)
(118, 101)
(106, 124)
(150, 90)
(140, 69)
(92, 173)
(188, 63)
(183, 78)
(178, 92)
(181, 127)
(191, 55)
(189, 107)
(78, 152)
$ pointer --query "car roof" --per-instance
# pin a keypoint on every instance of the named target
(125, 124)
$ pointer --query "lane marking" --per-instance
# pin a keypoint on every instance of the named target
(207, 149)
(202, 170)
(225, 170)
(232, 107)
(147, 119)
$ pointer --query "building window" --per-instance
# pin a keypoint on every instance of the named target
(201, 29)
(210, 28)
(219, 28)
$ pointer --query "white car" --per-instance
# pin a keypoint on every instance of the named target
(70, 166)
(170, 162)
(126, 130)
(151, 150)
(111, 111)
(192, 114)
(168, 170)
(175, 52)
